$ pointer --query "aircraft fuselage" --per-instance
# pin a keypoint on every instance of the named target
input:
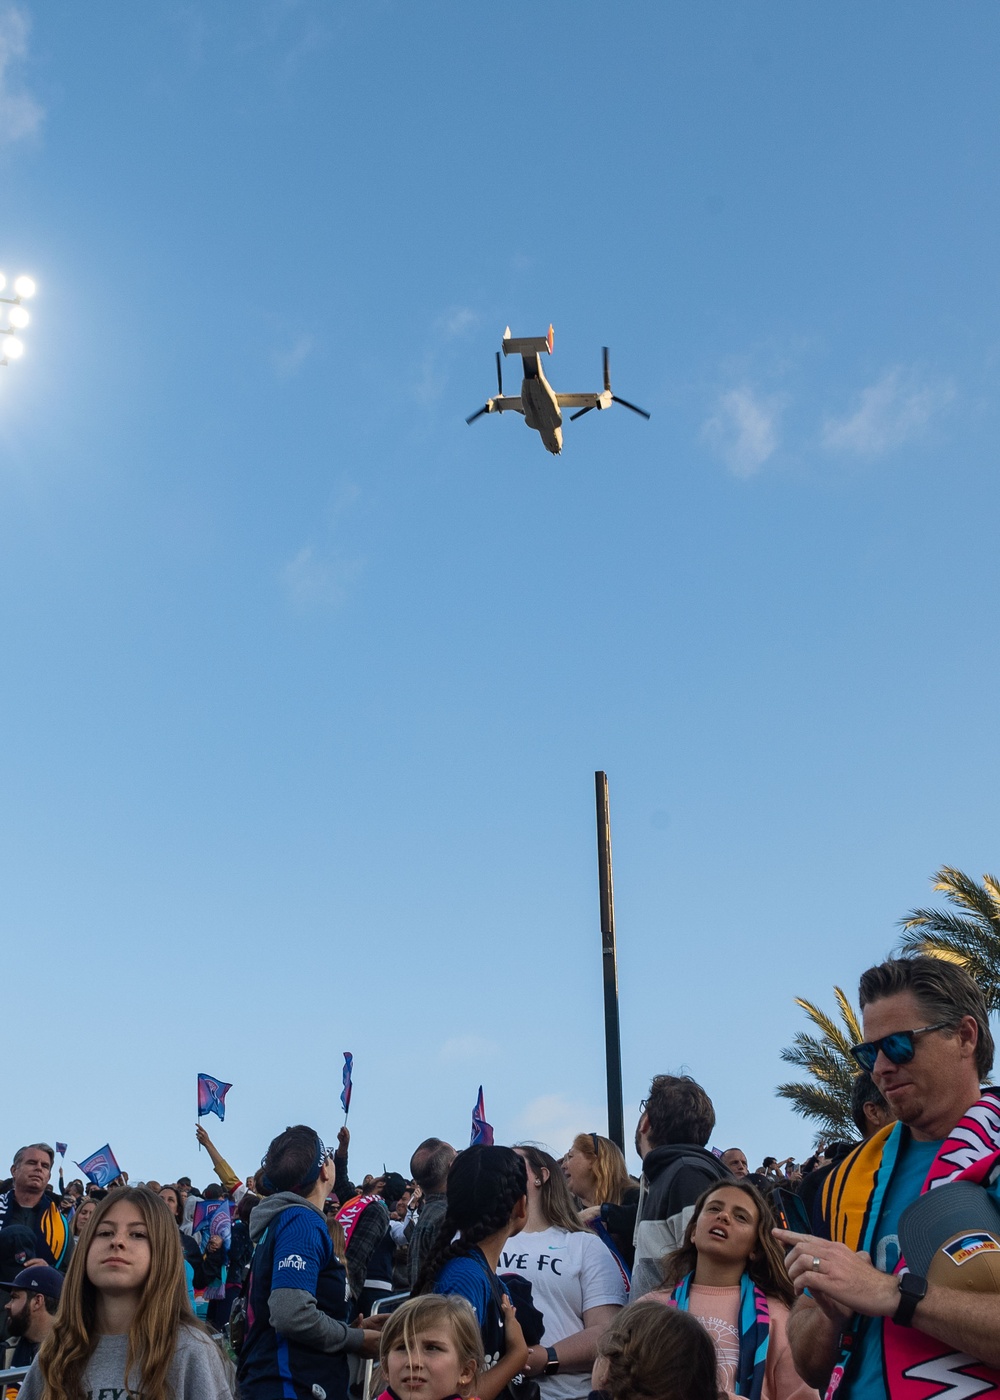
(541, 409)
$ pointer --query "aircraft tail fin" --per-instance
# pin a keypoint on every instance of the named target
(527, 345)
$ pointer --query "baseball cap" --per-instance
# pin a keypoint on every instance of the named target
(41, 1279)
(951, 1235)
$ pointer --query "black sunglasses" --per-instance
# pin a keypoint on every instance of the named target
(897, 1048)
(597, 1145)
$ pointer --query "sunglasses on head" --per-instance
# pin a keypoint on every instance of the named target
(897, 1048)
(597, 1146)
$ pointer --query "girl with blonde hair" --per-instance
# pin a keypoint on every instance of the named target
(431, 1349)
(124, 1324)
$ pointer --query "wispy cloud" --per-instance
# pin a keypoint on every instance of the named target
(312, 579)
(457, 322)
(468, 1047)
(744, 429)
(21, 116)
(554, 1120)
(288, 362)
(896, 409)
(450, 326)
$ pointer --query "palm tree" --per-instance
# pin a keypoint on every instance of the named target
(827, 1058)
(970, 937)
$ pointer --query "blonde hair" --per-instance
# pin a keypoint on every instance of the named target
(163, 1307)
(432, 1310)
(607, 1162)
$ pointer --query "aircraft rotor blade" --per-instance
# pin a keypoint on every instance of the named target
(607, 370)
(478, 413)
(625, 404)
(574, 416)
(499, 376)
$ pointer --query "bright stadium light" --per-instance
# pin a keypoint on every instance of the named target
(11, 348)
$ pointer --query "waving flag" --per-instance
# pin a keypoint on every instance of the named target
(61, 1148)
(482, 1133)
(214, 1218)
(100, 1167)
(345, 1097)
(212, 1095)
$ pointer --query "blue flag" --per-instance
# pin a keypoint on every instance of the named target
(345, 1097)
(482, 1133)
(100, 1167)
(61, 1148)
(212, 1095)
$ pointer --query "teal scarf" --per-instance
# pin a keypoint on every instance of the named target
(755, 1332)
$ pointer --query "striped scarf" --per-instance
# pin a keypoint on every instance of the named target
(755, 1333)
(916, 1365)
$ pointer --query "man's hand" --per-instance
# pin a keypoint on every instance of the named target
(343, 1141)
(202, 1136)
(374, 1323)
(840, 1281)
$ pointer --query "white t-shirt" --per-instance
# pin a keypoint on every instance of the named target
(569, 1271)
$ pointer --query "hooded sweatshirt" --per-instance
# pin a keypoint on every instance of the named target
(297, 1305)
(673, 1177)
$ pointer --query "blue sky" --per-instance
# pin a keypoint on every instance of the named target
(305, 682)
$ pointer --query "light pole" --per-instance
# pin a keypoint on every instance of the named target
(11, 347)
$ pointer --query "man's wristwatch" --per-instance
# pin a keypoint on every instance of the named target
(552, 1365)
(911, 1289)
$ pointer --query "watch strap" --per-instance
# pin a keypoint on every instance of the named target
(912, 1288)
(552, 1364)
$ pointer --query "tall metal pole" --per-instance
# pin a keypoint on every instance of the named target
(612, 1032)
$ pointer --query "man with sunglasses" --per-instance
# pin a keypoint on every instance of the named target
(863, 1323)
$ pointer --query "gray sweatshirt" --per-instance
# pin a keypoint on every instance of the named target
(198, 1371)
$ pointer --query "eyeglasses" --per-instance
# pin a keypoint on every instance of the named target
(897, 1048)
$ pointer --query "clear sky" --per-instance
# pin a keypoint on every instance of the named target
(305, 682)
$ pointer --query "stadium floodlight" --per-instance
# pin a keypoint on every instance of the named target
(11, 348)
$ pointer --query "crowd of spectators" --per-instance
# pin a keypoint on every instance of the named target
(555, 1279)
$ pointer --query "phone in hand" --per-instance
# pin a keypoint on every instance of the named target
(791, 1211)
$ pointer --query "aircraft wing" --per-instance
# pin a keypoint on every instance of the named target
(510, 403)
(577, 400)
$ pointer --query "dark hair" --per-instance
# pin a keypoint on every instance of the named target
(864, 1090)
(429, 1164)
(945, 991)
(766, 1268)
(657, 1353)
(178, 1211)
(212, 1192)
(484, 1186)
(678, 1110)
(291, 1157)
(51, 1305)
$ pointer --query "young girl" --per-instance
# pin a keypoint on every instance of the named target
(654, 1353)
(487, 1203)
(730, 1274)
(431, 1349)
(124, 1323)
